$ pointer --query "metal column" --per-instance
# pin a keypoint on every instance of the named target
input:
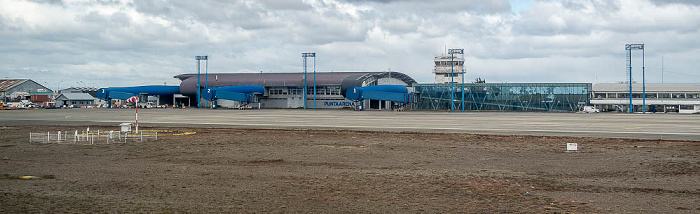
(314, 81)
(198, 81)
(463, 73)
(644, 85)
(452, 52)
(452, 82)
(305, 55)
(206, 80)
(305, 87)
(629, 74)
(199, 87)
(629, 48)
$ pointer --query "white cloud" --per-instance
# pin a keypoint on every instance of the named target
(118, 43)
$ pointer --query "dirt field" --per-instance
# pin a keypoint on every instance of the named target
(283, 171)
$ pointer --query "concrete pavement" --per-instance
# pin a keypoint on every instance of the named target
(604, 125)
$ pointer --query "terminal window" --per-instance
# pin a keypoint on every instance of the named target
(678, 95)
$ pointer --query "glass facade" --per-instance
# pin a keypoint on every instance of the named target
(504, 96)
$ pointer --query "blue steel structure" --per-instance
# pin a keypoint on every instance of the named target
(452, 53)
(452, 81)
(629, 48)
(206, 78)
(199, 87)
(314, 55)
(505, 96)
(463, 74)
(305, 55)
(394, 93)
(242, 93)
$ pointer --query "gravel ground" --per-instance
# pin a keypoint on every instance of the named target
(282, 171)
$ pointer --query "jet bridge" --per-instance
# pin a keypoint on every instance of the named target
(394, 93)
(242, 93)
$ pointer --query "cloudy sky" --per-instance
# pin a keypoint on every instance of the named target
(123, 43)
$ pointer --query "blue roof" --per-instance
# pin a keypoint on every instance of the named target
(103, 93)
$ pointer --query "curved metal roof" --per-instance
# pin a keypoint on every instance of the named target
(189, 81)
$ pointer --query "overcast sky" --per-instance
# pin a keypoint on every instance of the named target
(125, 43)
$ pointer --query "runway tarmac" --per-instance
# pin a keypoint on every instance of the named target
(603, 125)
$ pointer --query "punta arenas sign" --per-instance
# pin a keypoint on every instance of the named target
(338, 104)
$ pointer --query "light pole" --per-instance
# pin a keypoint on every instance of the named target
(629, 48)
(58, 86)
(199, 90)
(463, 73)
(644, 85)
(305, 55)
(206, 78)
(452, 53)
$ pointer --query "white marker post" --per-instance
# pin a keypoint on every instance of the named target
(137, 115)
(571, 147)
(135, 100)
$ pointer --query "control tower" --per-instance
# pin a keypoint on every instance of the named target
(443, 68)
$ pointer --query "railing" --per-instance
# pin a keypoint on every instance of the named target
(91, 138)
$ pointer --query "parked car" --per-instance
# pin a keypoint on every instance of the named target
(590, 109)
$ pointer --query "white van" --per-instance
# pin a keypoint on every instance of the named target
(590, 109)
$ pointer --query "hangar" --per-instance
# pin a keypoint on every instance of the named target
(13, 90)
(285, 90)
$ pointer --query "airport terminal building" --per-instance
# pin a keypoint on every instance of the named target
(660, 97)
(285, 90)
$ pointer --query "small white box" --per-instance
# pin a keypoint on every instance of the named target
(126, 127)
(571, 146)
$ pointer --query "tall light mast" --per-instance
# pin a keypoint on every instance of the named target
(629, 48)
(452, 53)
(199, 90)
(306, 55)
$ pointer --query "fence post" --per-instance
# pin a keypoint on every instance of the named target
(156, 135)
(141, 136)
